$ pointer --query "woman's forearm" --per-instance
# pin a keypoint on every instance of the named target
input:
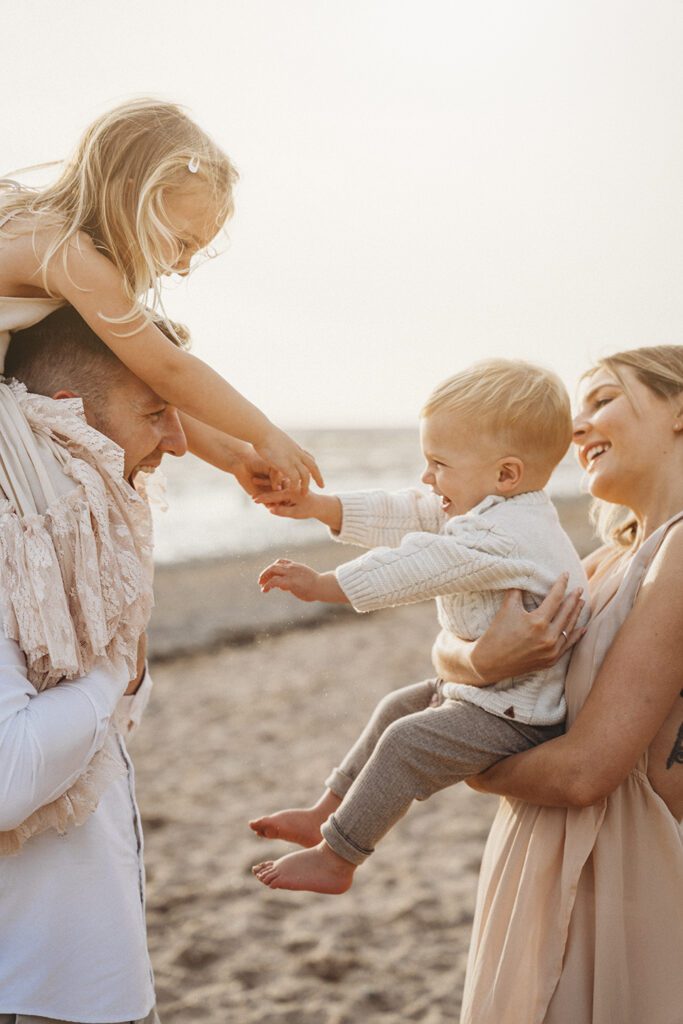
(548, 775)
(455, 660)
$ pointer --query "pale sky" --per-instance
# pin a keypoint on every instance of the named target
(423, 183)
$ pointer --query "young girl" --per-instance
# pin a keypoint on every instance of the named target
(144, 192)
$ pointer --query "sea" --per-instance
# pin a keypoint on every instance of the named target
(208, 515)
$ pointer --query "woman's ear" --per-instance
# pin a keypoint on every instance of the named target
(510, 474)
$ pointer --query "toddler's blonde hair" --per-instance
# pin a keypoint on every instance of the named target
(114, 186)
(524, 407)
(659, 368)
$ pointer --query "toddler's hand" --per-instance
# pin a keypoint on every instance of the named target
(301, 581)
(290, 503)
(293, 465)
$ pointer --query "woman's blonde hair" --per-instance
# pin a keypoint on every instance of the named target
(659, 368)
(113, 188)
(525, 407)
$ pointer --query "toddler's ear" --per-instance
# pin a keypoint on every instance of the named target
(510, 473)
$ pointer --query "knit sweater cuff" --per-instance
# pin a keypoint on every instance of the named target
(353, 579)
(355, 510)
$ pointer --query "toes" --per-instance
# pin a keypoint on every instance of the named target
(263, 829)
(258, 869)
(270, 878)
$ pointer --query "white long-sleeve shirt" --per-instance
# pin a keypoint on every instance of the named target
(467, 563)
(72, 924)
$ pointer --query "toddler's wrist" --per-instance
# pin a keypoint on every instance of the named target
(328, 510)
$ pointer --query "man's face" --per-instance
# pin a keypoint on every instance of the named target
(138, 421)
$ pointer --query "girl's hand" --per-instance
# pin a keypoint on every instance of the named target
(251, 473)
(292, 464)
(518, 641)
(301, 581)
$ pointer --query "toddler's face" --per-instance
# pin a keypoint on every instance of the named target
(462, 468)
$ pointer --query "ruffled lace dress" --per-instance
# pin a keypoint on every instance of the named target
(75, 567)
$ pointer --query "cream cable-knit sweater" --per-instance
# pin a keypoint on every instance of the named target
(466, 563)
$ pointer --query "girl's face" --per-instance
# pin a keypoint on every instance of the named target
(192, 218)
(625, 438)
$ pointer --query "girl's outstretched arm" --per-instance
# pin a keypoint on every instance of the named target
(228, 454)
(92, 284)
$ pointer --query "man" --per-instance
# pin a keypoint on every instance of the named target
(72, 927)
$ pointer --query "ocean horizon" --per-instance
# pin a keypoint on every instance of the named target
(208, 515)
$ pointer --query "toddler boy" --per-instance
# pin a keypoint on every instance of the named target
(491, 437)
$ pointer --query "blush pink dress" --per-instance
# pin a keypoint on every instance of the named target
(579, 915)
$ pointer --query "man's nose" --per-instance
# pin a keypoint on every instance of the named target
(173, 440)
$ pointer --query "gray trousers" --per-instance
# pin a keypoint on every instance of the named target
(416, 743)
(20, 1018)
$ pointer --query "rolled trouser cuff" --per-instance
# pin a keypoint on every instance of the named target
(338, 782)
(342, 844)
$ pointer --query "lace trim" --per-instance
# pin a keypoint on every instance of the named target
(76, 584)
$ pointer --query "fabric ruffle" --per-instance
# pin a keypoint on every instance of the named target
(75, 580)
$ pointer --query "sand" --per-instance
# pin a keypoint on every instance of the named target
(249, 727)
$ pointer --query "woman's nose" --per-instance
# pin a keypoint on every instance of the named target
(581, 427)
(427, 476)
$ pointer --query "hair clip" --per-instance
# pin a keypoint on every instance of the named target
(193, 165)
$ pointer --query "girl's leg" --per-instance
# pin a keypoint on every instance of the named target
(302, 824)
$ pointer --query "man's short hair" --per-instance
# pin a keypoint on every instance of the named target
(523, 406)
(63, 352)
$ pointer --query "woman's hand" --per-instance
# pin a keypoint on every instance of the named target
(516, 642)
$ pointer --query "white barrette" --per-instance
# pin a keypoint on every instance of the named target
(193, 165)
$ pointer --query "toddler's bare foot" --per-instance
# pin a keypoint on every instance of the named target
(316, 870)
(299, 824)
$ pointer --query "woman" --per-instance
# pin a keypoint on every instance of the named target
(578, 916)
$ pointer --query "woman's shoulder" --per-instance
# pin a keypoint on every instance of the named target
(667, 562)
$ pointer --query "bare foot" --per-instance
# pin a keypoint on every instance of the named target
(316, 870)
(299, 824)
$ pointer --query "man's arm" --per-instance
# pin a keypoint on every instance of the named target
(47, 739)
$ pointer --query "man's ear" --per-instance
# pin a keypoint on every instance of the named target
(65, 394)
(510, 474)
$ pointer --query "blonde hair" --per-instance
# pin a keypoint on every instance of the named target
(113, 188)
(659, 368)
(521, 405)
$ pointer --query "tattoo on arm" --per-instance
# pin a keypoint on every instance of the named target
(676, 755)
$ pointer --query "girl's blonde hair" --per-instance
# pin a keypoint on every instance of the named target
(114, 187)
(659, 368)
(525, 407)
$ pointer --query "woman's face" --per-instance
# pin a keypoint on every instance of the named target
(625, 438)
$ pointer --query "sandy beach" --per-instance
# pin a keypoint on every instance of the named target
(254, 724)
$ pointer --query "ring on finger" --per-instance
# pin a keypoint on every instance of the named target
(564, 634)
